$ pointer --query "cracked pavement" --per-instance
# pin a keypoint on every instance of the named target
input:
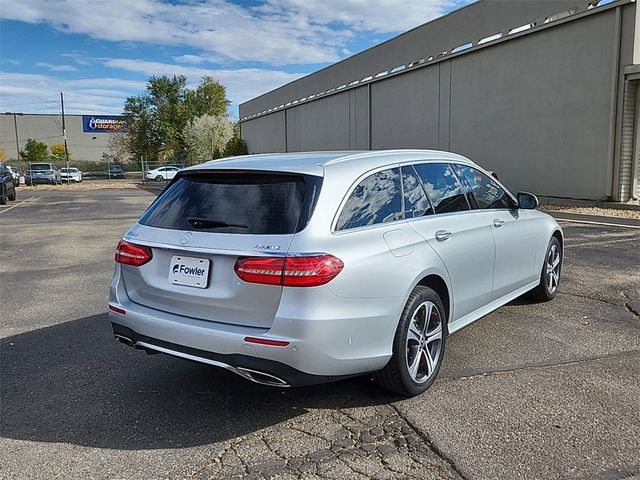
(531, 391)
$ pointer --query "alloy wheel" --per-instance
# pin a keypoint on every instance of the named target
(553, 268)
(424, 342)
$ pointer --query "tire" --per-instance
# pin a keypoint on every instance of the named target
(550, 275)
(3, 198)
(411, 343)
(12, 197)
(159, 178)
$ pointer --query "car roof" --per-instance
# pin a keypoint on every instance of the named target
(315, 163)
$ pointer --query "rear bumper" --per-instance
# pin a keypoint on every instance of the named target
(263, 371)
(328, 337)
(30, 180)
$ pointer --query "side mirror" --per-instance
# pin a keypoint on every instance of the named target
(527, 201)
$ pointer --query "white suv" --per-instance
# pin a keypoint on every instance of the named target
(293, 269)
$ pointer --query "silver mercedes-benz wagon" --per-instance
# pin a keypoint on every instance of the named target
(302, 268)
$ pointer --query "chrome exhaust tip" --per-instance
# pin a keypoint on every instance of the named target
(126, 340)
(261, 377)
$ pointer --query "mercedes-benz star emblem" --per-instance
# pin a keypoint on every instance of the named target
(186, 238)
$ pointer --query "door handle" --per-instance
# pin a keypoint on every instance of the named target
(497, 222)
(442, 235)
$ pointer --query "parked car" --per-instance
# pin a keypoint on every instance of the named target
(42, 173)
(71, 174)
(303, 268)
(7, 185)
(161, 173)
(15, 173)
(115, 171)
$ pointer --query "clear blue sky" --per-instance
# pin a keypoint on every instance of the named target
(99, 53)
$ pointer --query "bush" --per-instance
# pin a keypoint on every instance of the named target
(235, 146)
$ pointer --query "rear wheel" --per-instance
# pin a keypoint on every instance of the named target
(418, 345)
(159, 178)
(550, 275)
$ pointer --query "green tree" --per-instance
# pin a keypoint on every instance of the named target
(156, 120)
(236, 145)
(57, 153)
(34, 151)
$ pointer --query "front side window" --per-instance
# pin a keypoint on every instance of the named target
(376, 199)
(416, 203)
(442, 187)
(485, 193)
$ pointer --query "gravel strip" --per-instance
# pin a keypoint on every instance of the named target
(605, 212)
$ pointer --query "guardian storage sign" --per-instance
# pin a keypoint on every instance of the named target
(102, 124)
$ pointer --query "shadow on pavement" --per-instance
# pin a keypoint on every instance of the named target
(72, 383)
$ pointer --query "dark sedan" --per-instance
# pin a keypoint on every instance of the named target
(7, 185)
(115, 171)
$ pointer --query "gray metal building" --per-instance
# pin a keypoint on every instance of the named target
(544, 92)
(83, 146)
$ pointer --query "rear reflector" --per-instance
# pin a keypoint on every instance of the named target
(117, 310)
(131, 254)
(309, 271)
(266, 341)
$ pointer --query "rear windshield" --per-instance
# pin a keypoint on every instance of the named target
(40, 166)
(236, 202)
(68, 170)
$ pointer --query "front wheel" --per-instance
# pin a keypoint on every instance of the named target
(159, 178)
(418, 345)
(3, 198)
(550, 275)
(12, 197)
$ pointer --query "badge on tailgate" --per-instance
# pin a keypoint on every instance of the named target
(190, 271)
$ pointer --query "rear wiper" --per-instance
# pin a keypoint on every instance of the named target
(210, 223)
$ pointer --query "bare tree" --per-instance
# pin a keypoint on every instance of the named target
(118, 147)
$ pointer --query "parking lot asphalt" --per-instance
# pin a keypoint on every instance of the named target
(531, 391)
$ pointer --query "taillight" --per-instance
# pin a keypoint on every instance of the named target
(310, 271)
(131, 254)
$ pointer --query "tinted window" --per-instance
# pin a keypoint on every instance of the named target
(442, 187)
(416, 203)
(485, 192)
(376, 199)
(251, 203)
(41, 166)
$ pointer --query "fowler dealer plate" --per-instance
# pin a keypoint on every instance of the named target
(189, 271)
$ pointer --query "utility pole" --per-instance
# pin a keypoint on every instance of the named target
(15, 126)
(64, 135)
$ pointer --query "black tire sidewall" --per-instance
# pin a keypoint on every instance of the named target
(400, 342)
(543, 276)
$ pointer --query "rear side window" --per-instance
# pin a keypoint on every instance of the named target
(485, 193)
(416, 203)
(442, 187)
(233, 202)
(376, 199)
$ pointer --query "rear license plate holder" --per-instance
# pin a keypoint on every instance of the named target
(189, 271)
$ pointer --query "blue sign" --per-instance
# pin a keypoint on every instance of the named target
(102, 124)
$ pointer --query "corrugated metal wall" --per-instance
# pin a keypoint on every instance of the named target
(535, 106)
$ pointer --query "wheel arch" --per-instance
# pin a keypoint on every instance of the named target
(560, 237)
(438, 284)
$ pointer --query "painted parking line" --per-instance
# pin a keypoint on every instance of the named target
(26, 201)
(605, 224)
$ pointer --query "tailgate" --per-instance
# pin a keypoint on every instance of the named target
(199, 227)
(221, 295)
